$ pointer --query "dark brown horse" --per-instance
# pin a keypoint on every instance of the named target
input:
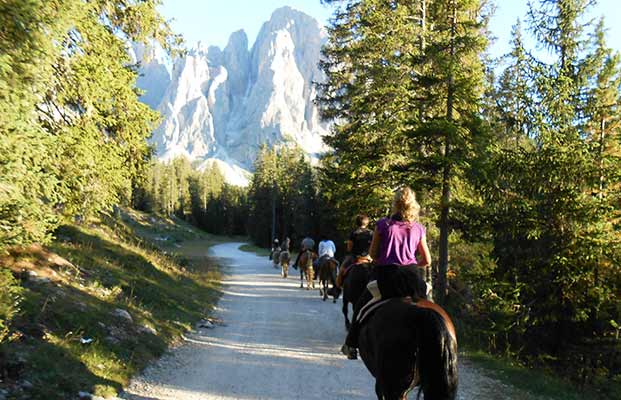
(406, 344)
(306, 269)
(354, 285)
(327, 274)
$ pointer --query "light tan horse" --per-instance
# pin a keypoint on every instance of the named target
(284, 259)
(306, 269)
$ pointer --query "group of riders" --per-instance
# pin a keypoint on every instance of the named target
(397, 250)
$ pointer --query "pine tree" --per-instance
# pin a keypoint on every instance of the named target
(73, 130)
(514, 97)
(553, 229)
(404, 83)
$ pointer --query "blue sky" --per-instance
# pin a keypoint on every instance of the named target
(212, 21)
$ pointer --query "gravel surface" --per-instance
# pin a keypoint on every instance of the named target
(277, 342)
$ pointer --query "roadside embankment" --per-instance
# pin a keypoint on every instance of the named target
(101, 302)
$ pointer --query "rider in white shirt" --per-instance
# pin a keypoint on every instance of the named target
(326, 248)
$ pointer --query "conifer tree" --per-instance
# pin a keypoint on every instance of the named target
(73, 130)
(404, 82)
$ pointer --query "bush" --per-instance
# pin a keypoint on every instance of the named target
(10, 291)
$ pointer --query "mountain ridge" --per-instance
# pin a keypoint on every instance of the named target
(223, 104)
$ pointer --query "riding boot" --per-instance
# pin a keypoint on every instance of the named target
(297, 259)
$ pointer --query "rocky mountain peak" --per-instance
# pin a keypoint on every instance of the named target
(224, 104)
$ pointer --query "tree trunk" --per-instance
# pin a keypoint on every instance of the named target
(273, 236)
(602, 135)
(443, 261)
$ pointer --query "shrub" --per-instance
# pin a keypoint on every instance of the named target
(10, 291)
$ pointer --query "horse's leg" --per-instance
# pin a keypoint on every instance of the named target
(335, 292)
(378, 391)
(346, 313)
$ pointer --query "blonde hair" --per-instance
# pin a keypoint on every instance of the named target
(404, 203)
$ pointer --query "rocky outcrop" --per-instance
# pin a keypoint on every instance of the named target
(224, 104)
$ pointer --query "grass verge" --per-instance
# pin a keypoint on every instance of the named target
(102, 301)
(538, 382)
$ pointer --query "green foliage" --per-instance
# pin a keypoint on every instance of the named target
(286, 200)
(404, 82)
(519, 172)
(199, 196)
(72, 131)
(550, 199)
(10, 292)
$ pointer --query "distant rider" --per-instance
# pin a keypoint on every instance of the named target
(307, 244)
(357, 247)
(275, 248)
(326, 249)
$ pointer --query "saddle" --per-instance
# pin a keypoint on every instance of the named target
(343, 274)
(356, 262)
(326, 257)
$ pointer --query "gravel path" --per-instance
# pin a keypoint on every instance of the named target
(278, 342)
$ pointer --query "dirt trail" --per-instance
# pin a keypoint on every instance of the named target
(279, 342)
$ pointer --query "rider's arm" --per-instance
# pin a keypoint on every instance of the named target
(423, 250)
(349, 243)
(375, 245)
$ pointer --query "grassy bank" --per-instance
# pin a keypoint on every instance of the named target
(537, 381)
(102, 301)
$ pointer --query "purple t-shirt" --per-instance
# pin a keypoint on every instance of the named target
(398, 241)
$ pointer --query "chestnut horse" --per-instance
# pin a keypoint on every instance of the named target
(284, 260)
(306, 269)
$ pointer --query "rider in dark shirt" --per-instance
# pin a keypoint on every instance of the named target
(357, 246)
(361, 240)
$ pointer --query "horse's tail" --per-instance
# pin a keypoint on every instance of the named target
(436, 354)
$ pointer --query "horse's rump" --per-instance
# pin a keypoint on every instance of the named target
(327, 268)
(306, 259)
(284, 257)
(355, 282)
(404, 345)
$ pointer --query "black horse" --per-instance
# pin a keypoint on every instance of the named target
(354, 285)
(406, 344)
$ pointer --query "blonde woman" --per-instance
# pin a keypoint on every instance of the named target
(398, 272)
